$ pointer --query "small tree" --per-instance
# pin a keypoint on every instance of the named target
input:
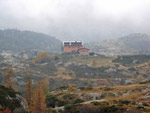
(33, 61)
(70, 87)
(42, 56)
(28, 93)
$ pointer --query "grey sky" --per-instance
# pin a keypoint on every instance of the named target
(87, 20)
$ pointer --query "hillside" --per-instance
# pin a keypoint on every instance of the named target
(113, 99)
(62, 69)
(98, 84)
(128, 45)
(16, 41)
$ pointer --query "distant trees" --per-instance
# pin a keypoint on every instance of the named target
(8, 78)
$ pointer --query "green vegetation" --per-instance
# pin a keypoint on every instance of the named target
(8, 98)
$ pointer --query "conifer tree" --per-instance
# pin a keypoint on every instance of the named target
(39, 99)
(70, 87)
(28, 92)
(8, 80)
(45, 86)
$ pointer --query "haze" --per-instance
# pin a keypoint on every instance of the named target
(86, 20)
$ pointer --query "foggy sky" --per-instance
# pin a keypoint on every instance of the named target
(86, 20)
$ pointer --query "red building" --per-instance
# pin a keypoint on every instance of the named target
(83, 51)
(74, 47)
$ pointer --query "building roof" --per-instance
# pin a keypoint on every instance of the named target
(82, 48)
(72, 43)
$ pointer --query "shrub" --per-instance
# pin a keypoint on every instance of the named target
(124, 102)
(51, 101)
(95, 103)
(89, 109)
(85, 88)
(68, 107)
(69, 96)
(75, 101)
(139, 107)
(62, 103)
(109, 109)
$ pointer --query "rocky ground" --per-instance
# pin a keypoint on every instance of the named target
(63, 69)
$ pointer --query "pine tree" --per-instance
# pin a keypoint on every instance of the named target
(39, 100)
(28, 93)
(8, 80)
(45, 86)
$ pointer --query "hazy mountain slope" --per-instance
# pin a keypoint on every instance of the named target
(131, 44)
(16, 40)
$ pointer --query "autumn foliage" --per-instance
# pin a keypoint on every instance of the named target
(7, 110)
(45, 86)
(70, 87)
(8, 78)
(39, 99)
(28, 92)
(42, 56)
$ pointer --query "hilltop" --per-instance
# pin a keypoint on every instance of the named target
(131, 44)
(17, 41)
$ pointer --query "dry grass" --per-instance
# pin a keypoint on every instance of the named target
(89, 60)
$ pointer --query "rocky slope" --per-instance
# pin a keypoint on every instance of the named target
(112, 99)
(61, 70)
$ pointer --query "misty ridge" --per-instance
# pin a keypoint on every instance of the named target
(17, 41)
